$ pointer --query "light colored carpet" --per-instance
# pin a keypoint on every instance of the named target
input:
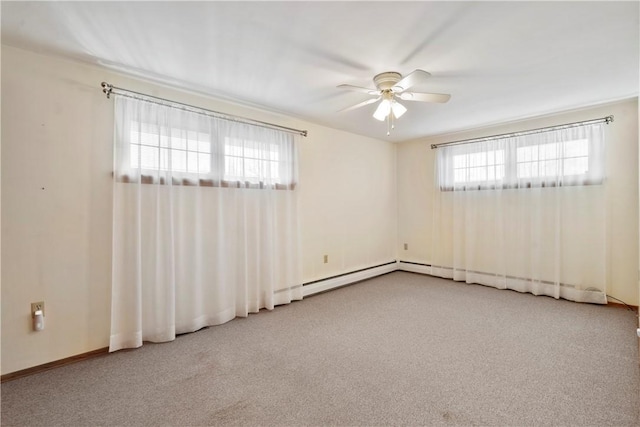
(400, 349)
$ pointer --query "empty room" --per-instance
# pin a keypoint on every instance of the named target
(346, 213)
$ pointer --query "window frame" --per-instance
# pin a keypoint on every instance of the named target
(512, 178)
(216, 175)
(184, 173)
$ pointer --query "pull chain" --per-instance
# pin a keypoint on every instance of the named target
(390, 123)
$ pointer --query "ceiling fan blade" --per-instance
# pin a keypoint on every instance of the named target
(359, 89)
(411, 79)
(425, 97)
(361, 104)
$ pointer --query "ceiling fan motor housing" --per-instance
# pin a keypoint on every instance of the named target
(385, 81)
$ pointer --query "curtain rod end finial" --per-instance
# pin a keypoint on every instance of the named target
(106, 88)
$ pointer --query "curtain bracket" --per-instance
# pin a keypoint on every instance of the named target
(107, 89)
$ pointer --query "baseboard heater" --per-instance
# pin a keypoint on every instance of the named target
(514, 283)
(328, 283)
(414, 267)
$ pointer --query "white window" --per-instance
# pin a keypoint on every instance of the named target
(154, 148)
(572, 156)
(482, 167)
(161, 144)
(569, 158)
(266, 159)
(252, 161)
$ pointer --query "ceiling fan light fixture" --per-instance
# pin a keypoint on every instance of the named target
(391, 87)
(383, 110)
(398, 109)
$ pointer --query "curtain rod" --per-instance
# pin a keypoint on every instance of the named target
(109, 89)
(607, 120)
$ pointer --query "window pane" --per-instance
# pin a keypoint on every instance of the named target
(204, 163)
(524, 170)
(275, 171)
(233, 167)
(233, 150)
(164, 159)
(549, 168)
(477, 174)
(577, 148)
(134, 137)
(204, 146)
(477, 159)
(134, 156)
(251, 152)
(274, 153)
(478, 167)
(576, 166)
(149, 139)
(260, 162)
(459, 161)
(549, 151)
(251, 168)
(525, 154)
(178, 143)
(572, 154)
(192, 162)
(165, 140)
(149, 157)
(491, 173)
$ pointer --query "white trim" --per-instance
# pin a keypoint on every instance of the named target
(336, 282)
(513, 283)
(414, 268)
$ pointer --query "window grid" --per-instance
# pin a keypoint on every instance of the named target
(192, 154)
(245, 163)
(479, 167)
(569, 158)
(189, 153)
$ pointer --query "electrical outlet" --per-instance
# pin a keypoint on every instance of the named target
(35, 306)
(406, 246)
(326, 259)
(638, 332)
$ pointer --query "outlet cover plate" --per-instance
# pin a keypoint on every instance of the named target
(37, 306)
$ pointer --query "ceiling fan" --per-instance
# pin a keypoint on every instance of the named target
(391, 86)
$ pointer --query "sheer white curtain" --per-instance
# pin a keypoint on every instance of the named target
(204, 222)
(526, 213)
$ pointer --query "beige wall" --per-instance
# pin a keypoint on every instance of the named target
(56, 200)
(57, 129)
(416, 190)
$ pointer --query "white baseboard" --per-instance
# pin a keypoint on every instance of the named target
(336, 282)
(414, 268)
(487, 279)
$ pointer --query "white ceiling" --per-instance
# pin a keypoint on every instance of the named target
(500, 61)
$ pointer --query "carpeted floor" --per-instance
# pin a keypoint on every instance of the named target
(400, 349)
